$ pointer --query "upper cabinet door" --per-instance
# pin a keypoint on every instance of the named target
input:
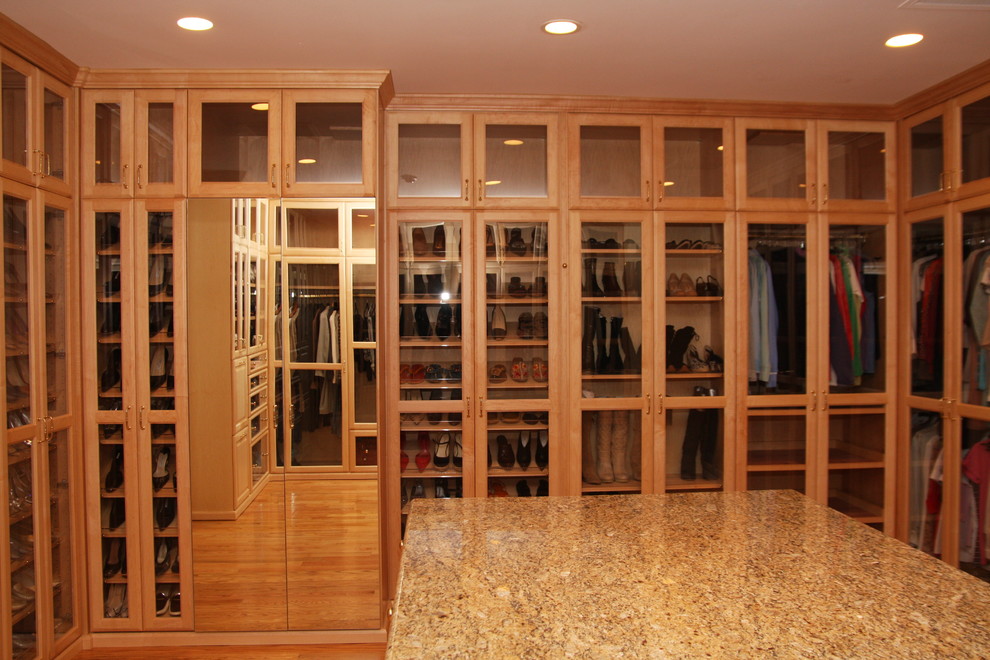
(925, 180)
(856, 166)
(693, 160)
(55, 144)
(107, 152)
(234, 142)
(329, 143)
(516, 160)
(972, 175)
(775, 165)
(429, 157)
(610, 160)
(18, 80)
(159, 143)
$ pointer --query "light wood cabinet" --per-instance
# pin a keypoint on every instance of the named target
(228, 314)
(136, 399)
(133, 143)
(41, 532)
(37, 111)
(290, 143)
(464, 160)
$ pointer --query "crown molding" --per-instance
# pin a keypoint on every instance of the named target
(37, 52)
(234, 78)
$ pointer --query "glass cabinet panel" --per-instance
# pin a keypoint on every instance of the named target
(974, 548)
(857, 278)
(257, 279)
(857, 165)
(612, 309)
(312, 227)
(856, 477)
(235, 142)
(328, 142)
(611, 451)
(517, 310)
(314, 339)
(60, 490)
(431, 458)
(515, 161)
(611, 161)
(975, 303)
(16, 245)
(429, 161)
(363, 229)
(695, 314)
(56, 310)
(14, 109)
(113, 521)
(925, 454)
(430, 314)
(777, 309)
(694, 447)
(365, 371)
(23, 534)
(165, 529)
(775, 163)
(693, 162)
(161, 142)
(518, 446)
(161, 309)
(926, 308)
(54, 134)
(976, 140)
(107, 140)
(927, 157)
(776, 450)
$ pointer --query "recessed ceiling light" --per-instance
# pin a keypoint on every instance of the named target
(259, 106)
(902, 40)
(561, 26)
(307, 161)
(513, 143)
(194, 23)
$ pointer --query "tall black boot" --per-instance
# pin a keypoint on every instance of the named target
(678, 347)
(588, 340)
(615, 364)
(591, 288)
(709, 444)
(633, 364)
(610, 283)
(694, 436)
(631, 279)
(670, 340)
(601, 366)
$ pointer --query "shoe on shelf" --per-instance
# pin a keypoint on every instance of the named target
(714, 288)
(161, 475)
(506, 458)
(439, 241)
(520, 372)
(497, 328)
(522, 489)
(419, 242)
(543, 488)
(114, 558)
(525, 328)
(542, 456)
(497, 373)
(540, 373)
(541, 326)
(457, 457)
(496, 489)
(423, 457)
(115, 475)
(165, 512)
(516, 244)
(524, 449)
(163, 598)
(441, 452)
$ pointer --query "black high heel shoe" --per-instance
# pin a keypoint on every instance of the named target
(441, 451)
(111, 373)
(115, 475)
(113, 562)
(542, 449)
(160, 475)
(165, 512)
(523, 450)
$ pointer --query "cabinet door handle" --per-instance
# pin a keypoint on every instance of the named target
(468, 401)
(659, 404)
(48, 164)
(467, 189)
(814, 400)
(41, 163)
(481, 190)
(123, 177)
(824, 400)
(127, 418)
(273, 176)
(824, 193)
(661, 191)
(481, 406)
(814, 195)
(288, 178)
(138, 176)
(649, 192)
(647, 404)
(141, 421)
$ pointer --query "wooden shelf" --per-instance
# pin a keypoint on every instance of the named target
(412, 472)
(693, 299)
(614, 487)
(694, 375)
(603, 299)
(610, 251)
(675, 483)
(513, 385)
(518, 472)
(516, 300)
(692, 253)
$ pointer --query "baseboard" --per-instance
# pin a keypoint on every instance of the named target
(141, 639)
(74, 648)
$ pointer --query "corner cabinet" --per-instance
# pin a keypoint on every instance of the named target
(41, 547)
(228, 354)
(136, 400)
(290, 143)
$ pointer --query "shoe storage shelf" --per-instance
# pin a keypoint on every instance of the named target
(41, 545)
(136, 400)
(228, 354)
(477, 303)
(814, 334)
(38, 127)
(325, 367)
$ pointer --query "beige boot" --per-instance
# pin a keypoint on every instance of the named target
(589, 470)
(620, 445)
(635, 452)
(604, 442)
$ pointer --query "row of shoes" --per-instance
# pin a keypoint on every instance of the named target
(113, 512)
(528, 326)
(442, 489)
(20, 495)
(16, 329)
(432, 373)
(115, 601)
(632, 280)
(160, 367)
(18, 378)
(692, 244)
(601, 340)
(497, 489)
(685, 354)
(531, 446)
(516, 288)
(514, 417)
(685, 286)
(159, 232)
(168, 600)
(417, 322)
(512, 241)
(19, 417)
(22, 591)
(166, 556)
(519, 371)
(426, 284)
(21, 545)
(434, 418)
(446, 450)
(610, 243)
(438, 246)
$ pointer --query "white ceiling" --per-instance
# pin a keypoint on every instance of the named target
(773, 50)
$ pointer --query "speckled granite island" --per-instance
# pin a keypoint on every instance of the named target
(727, 575)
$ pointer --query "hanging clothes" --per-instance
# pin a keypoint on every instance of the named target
(763, 322)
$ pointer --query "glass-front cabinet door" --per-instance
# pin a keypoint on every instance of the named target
(925, 315)
(777, 164)
(108, 135)
(974, 130)
(515, 160)
(328, 143)
(694, 163)
(159, 143)
(611, 161)
(925, 180)
(430, 159)
(234, 142)
(856, 166)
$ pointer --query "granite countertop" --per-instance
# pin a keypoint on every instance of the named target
(749, 574)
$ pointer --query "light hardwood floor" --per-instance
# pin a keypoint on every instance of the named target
(285, 652)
